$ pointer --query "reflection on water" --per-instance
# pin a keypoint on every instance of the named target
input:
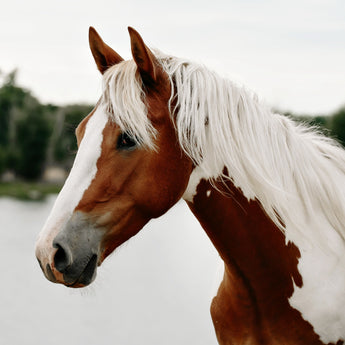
(155, 290)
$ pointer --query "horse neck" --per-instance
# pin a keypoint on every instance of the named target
(260, 268)
(241, 231)
(252, 247)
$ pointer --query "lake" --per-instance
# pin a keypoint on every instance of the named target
(155, 290)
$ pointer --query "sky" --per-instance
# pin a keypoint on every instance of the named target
(291, 53)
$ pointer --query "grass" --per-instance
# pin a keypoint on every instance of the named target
(27, 190)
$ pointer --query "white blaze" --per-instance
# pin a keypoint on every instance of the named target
(82, 173)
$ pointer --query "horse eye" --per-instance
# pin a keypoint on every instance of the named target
(125, 142)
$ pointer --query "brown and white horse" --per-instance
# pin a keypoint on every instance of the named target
(269, 193)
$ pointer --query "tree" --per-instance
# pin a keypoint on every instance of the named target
(24, 130)
(2, 160)
(11, 98)
(33, 132)
(66, 145)
(338, 125)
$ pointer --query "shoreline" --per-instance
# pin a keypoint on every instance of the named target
(28, 191)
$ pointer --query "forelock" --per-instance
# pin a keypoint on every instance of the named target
(125, 102)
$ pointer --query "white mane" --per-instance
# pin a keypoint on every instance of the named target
(297, 174)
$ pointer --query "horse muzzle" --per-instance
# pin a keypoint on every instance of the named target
(72, 257)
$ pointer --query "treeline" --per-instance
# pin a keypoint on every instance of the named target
(34, 136)
(331, 125)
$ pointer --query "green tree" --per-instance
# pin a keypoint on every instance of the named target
(33, 132)
(66, 145)
(12, 97)
(24, 130)
(2, 160)
(338, 125)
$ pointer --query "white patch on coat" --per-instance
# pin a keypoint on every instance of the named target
(82, 173)
(195, 178)
(321, 299)
(210, 169)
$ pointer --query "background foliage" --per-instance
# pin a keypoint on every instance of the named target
(35, 135)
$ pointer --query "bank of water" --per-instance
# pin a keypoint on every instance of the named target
(155, 290)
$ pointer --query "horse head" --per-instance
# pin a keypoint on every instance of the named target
(129, 167)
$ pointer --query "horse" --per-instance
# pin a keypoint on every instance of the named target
(268, 192)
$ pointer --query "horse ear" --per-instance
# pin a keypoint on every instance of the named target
(143, 57)
(104, 56)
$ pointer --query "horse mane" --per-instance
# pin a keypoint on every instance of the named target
(296, 173)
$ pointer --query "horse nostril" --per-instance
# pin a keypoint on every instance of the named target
(62, 258)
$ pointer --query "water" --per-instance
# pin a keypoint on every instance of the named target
(155, 290)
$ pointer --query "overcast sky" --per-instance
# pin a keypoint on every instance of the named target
(292, 53)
